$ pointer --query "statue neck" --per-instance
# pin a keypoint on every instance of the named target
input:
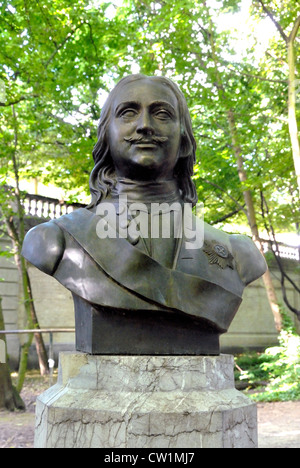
(166, 191)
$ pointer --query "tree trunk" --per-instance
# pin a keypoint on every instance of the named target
(9, 396)
(23, 363)
(32, 321)
(293, 127)
(271, 294)
(17, 237)
(292, 120)
(29, 305)
(270, 290)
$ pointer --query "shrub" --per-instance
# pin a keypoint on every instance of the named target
(284, 370)
(277, 369)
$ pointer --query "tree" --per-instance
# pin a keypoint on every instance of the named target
(9, 396)
(57, 61)
(247, 193)
(282, 24)
(53, 61)
(186, 33)
(173, 39)
(284, 276)
(59, 58)
(13, 217)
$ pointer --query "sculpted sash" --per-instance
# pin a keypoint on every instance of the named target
(137, 275)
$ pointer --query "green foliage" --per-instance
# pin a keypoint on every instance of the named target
(183, 40)
(276, 372)
(56, 60)
(59, 58)
(285, 370)
(251, 368)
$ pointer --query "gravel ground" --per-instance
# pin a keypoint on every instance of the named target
(279, 424)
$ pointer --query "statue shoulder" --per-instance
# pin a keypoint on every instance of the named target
(44, 246)
(251, 264)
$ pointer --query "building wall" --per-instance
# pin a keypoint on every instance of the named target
(53, 303)
(253, 326)
(10, 294)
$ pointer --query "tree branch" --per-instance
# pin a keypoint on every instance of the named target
(229, 215)
(294, 31)
(231, 70)
(257, 77)
(92, 39)
(12, 103)
(70, 33)
(241, 208)
(16, 101)
(271, 16)
(283, 274)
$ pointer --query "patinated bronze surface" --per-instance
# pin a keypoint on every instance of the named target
(140, 293)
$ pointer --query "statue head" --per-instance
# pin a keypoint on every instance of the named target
(103, 177)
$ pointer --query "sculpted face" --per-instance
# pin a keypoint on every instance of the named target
(144, 131)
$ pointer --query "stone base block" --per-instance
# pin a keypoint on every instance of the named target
(145, 402)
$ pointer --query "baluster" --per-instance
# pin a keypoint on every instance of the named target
(40, 208)
(53, 210)
(56, 210)
(48, 209)
(26, 206)
(31, 207)
(36, 207)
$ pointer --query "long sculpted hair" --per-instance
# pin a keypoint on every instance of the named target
(103, 177)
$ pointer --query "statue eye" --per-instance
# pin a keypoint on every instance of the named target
(162, 114)
(129, 112)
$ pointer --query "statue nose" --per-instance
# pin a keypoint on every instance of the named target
(144, 124)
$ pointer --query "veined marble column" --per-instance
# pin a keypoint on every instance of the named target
(145, 402)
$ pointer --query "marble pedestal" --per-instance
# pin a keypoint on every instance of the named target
(145, 402)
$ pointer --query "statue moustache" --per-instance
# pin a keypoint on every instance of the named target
(143, 139)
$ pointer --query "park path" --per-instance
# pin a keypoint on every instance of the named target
(279, 424)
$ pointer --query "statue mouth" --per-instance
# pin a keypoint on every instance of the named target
(145, 144)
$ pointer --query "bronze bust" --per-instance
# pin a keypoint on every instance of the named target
(139, 293)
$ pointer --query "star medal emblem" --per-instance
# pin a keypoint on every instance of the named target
(218, 254)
